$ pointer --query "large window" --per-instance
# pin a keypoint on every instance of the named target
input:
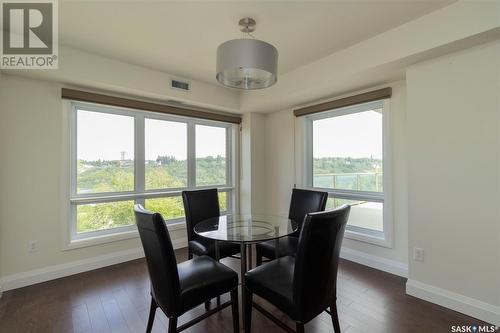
(120, 157)
(346, 155)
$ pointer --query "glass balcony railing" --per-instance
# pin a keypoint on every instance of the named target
(359, 181)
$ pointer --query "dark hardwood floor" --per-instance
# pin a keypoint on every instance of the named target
(116, 299)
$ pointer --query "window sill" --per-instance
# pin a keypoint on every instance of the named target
(114, 237)
(370, 239)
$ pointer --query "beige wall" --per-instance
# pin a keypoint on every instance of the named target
(31, 178)
(33, 144)
(382, 57)
(246, 165)
(279, 159)
(84, 69)
(252, 166)
(454, 172)
(32, 132)
(281, 170)
(445, 139)
(445, 125)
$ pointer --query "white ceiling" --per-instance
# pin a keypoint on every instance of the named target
(181, 37)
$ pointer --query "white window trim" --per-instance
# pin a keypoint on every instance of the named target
(385, 238)
(70, 239)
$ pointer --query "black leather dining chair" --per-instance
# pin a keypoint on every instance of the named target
(301, 203)
(304, 286)
(177, 288)
(201, 205)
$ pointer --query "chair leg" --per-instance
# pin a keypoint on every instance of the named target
(247, 320)
(207, 305)
(299, 327)
(234, 308)
(152, 312)
(172, 325)
(335, 318)
(258, 259)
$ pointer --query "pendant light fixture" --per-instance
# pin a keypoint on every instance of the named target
(247, 63)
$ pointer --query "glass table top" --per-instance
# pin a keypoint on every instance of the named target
(245, 228)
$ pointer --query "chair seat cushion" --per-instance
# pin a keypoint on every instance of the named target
(273, 281)
(287, 247)
(203, 278)
(206, 247)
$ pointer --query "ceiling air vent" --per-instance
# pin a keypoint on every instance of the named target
(181, 85)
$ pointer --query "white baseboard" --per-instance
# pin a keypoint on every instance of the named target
(382, 264)
(451, 300)
(58, 271)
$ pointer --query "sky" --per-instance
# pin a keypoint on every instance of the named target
(104, 136)
(353, 135)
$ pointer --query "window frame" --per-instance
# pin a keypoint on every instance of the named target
(73, 239)
(384, 238)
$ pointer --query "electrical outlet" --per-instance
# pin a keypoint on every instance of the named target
(418, 254)
(32, 246)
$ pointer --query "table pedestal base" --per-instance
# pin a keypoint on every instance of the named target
(243, 254)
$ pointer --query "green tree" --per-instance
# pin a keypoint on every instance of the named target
(115, 176)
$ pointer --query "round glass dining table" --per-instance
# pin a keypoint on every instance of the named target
(245, 230)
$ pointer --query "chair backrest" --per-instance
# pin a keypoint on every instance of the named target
(316, 261)
(160, 257)
(199, 205)
(304, 202)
